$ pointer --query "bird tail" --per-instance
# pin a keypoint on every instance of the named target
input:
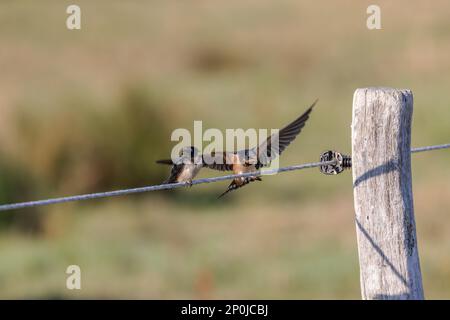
(233, 185)
(165, 161)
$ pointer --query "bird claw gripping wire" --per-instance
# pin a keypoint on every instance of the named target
(342, 162)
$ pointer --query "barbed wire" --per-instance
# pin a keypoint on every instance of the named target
(122, 192)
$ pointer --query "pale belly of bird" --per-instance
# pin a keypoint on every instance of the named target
(240, 168)
(189, 172)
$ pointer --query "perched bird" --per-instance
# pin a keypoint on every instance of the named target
(250, 160)
(186, 167)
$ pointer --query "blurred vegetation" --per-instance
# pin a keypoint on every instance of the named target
(84, 148)
(91, 110)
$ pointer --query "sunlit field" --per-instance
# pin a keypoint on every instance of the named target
(91, 110)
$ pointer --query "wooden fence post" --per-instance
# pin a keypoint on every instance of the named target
(385, 226)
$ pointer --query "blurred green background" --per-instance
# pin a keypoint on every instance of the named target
(91, 110)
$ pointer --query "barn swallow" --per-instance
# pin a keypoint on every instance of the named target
(250, 160)
(186, 167)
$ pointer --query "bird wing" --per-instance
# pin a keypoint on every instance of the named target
(265, 152)
(221, 161)
(262, 154)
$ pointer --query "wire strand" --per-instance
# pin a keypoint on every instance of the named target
(116, 193)
(122, 192)
(429, 148)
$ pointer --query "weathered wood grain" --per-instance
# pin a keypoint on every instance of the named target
(383, 199)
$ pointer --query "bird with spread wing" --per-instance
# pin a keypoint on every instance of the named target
(250, 160)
